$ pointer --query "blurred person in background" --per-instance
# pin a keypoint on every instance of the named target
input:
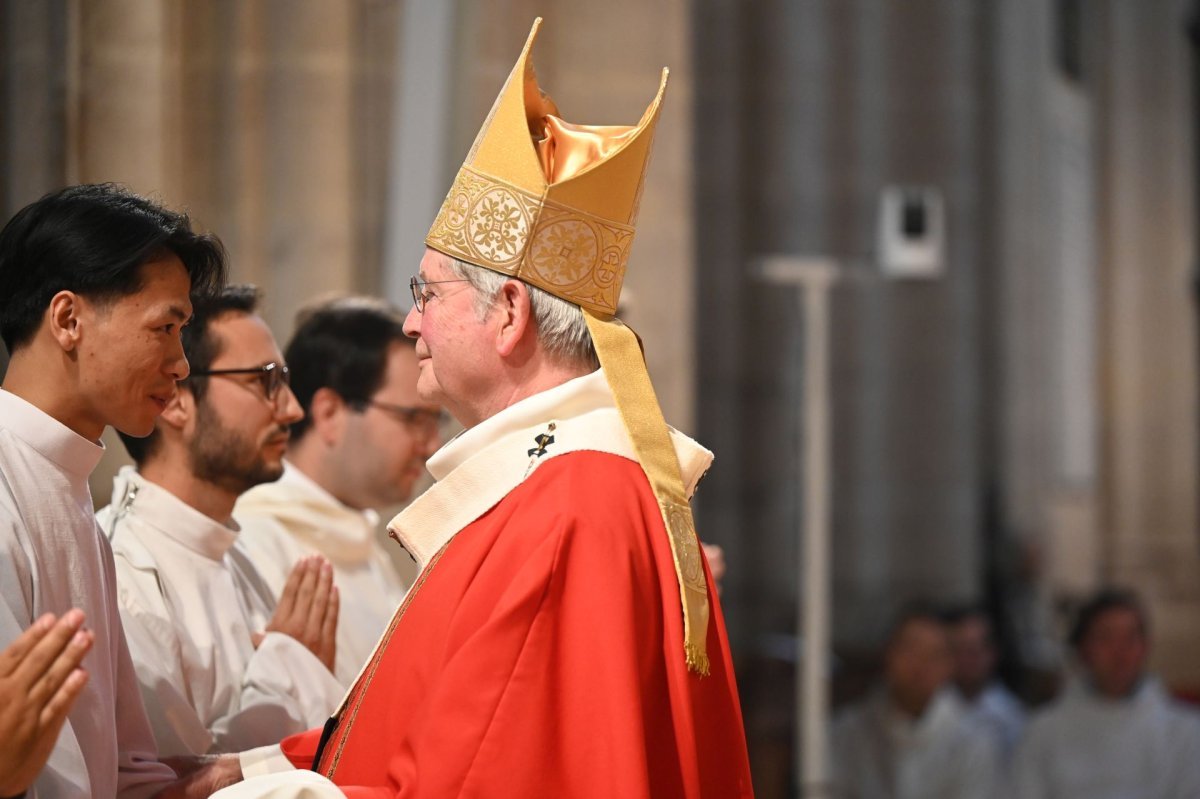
(222, 668)
(914, 738)
(1115, 733)
(361, 446)
(973, 645)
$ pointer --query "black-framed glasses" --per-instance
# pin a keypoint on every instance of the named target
(423, 421)
(420, 296)
(271, 376)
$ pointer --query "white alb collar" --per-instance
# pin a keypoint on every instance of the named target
(572, 398)
(62, 446)
(170, 515)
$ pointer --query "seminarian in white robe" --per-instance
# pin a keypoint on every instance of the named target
(292, 517)
(880, 753)
(1086, 746)
(55, 558)
(191, 601)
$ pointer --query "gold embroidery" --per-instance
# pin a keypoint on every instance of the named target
(683, 536)
(573, 255)
(376, 658)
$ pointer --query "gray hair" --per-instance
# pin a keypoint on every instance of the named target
(561, 328)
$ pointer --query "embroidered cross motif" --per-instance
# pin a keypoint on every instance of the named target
(543, 440)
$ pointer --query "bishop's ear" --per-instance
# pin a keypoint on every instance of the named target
(515, 321)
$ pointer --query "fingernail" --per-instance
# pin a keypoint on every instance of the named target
(81, 639)
(74, 617)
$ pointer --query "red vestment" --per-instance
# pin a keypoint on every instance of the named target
(541, 654)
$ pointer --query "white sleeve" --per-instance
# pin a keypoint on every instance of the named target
(283, 673)
(266, 546)
(264, 760)
(284, 688)
(139, 772)
(66, 772)
(296, 784)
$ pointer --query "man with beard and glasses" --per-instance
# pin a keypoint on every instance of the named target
(221, 667)
(361, 446)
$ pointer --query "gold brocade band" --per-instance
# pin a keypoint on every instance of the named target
(625, 369)
(571, 254)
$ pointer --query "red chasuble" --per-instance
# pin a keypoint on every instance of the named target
(540, 654)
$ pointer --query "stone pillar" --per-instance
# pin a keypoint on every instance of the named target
(125, 114)
(33, 85)
(1148, 337)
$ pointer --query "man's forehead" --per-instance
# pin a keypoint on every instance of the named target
(245, 337)
(434, 264)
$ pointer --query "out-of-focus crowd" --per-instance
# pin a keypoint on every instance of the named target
(941, 725)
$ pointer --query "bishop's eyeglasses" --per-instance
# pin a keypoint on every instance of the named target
(271, 376)
(421, 296)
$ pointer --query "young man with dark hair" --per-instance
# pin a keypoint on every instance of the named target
(221, 667)
(95, 286)
(361, 446)
(1115, 732)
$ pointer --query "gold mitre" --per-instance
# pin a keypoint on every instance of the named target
(547, 201)
(553, 204)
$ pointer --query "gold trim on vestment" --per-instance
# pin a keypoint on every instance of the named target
(625, 367)
(369, 672)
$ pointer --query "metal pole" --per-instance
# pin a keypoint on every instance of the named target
(815, 277)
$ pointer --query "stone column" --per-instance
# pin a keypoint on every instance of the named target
(1148, 336)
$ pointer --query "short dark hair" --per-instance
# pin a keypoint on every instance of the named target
(201, 348)
(93, 239)
(910, 613)
(342, 344)
(1100, 603)
(957, 614)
